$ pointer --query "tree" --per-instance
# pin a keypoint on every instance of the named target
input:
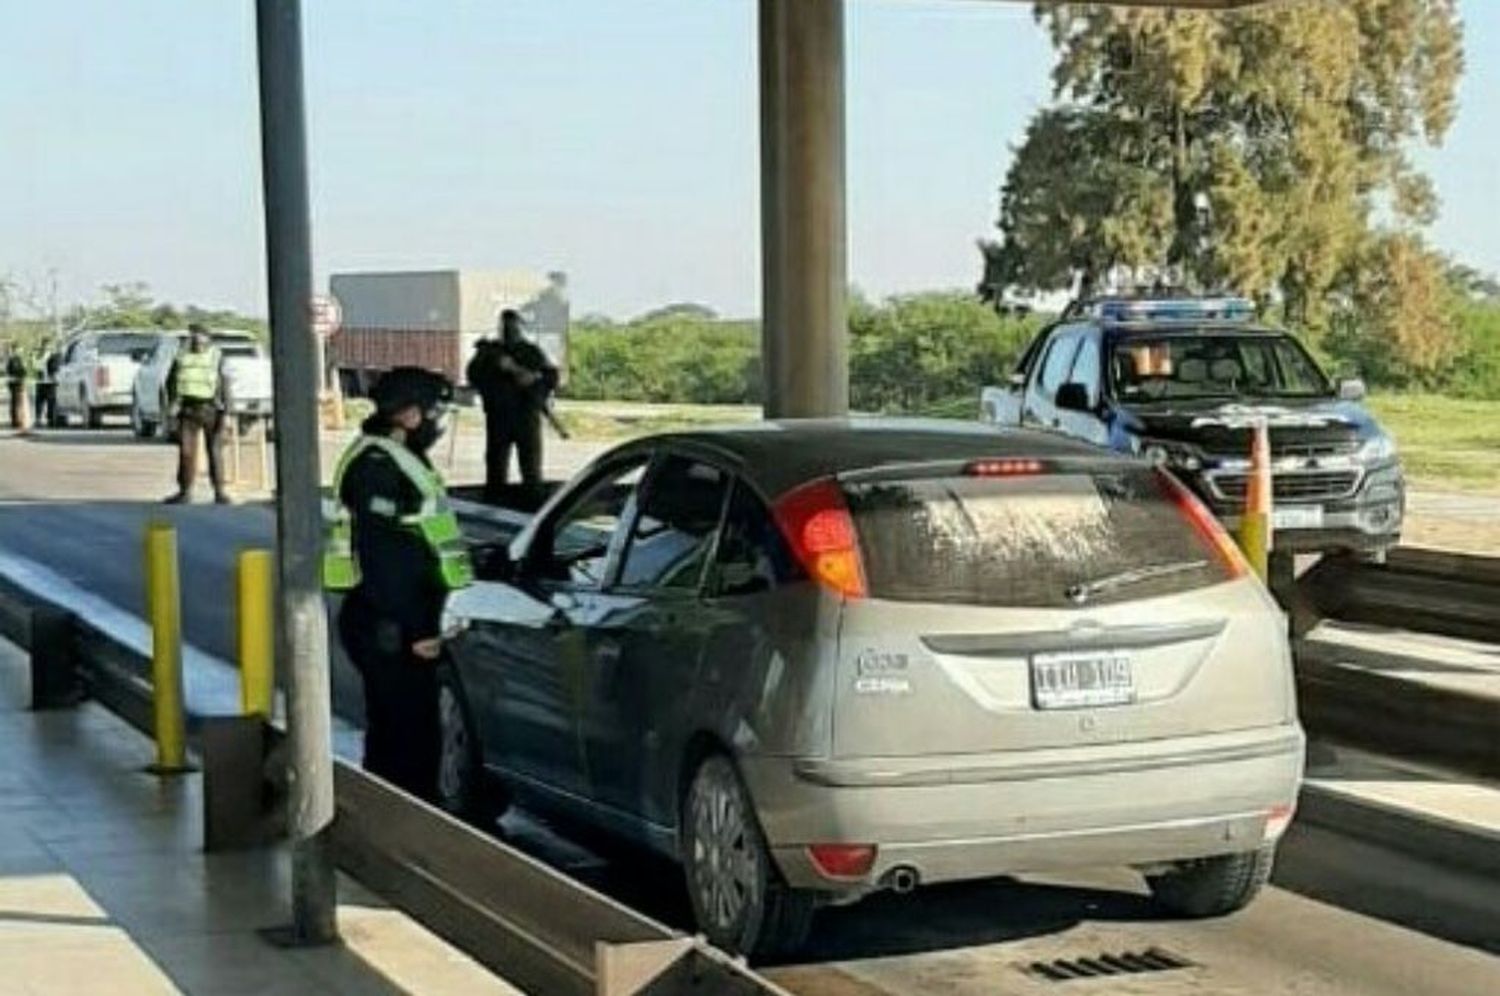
(1401, 324)
(1247, 149)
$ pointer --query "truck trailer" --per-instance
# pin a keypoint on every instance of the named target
(434, 318)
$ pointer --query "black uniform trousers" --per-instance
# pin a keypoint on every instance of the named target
(195, 418)
(46, 404)
(512, 428)
(17, 403)
(402, 732)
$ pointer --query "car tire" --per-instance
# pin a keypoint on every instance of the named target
(1211, 887)
(464, 789)
(140, 425)
(739, 901)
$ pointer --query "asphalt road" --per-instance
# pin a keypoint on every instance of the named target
(1344, 917)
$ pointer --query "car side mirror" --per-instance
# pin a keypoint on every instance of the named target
(1074, 398)
(1017, 381)
(1352, 389)
(492, 562)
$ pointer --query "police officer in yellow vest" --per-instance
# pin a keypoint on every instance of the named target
(393, 546)
(196, 388)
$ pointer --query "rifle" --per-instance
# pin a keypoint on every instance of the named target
(543, 396)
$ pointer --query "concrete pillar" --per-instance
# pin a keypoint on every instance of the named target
(803, 254)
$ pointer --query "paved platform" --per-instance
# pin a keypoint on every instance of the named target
(104, 886)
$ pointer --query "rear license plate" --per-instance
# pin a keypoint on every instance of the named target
(1081, 680)
(1297, 517)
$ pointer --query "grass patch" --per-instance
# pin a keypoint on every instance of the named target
(1450, 443)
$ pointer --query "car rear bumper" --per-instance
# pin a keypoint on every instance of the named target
(979, 817)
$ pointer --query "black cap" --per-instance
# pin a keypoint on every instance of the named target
(405, 387)
(196, 328)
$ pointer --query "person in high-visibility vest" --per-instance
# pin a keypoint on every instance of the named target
(196, 388)
(392, 545)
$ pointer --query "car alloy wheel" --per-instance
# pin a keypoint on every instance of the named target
(456, 762)
(725, 861)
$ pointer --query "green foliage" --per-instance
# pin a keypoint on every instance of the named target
(915, 352)
(132, 306)
(672, 358)
(906, 355)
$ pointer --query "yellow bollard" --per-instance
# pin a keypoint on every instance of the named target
(257, 633)
(164, 609)
(1255, 524)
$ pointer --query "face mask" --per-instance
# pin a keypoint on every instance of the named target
(425, 436)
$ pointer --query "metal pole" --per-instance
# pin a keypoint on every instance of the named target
(303, 636)
(803, 240)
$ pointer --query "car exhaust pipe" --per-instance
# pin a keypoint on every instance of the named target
(903, 880)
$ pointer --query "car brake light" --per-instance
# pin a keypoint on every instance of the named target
(101, 377)
(1003, 468)
(1208, 528)
(842, 860)
(817, 524)
(1278, 818)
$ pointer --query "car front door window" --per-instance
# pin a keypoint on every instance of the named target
(574, 551)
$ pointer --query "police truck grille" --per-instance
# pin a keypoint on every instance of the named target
(1301, 486)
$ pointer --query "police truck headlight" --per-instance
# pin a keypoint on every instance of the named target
(1178, 456)
(1378, 449)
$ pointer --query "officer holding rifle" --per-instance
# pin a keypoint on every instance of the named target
(516, 381)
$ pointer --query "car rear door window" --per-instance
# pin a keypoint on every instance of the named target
(753, 556)
(672, 538)
(1029, 540)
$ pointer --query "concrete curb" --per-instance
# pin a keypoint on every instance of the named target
(1422, 835)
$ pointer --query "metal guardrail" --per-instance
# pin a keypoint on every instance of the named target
(1433, 591)
(1349, 693)
(539, 929)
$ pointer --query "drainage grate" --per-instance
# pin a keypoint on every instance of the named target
(1127, 963)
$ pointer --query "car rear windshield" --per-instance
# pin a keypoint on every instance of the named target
(125, 345)
(1048, 540)
(235, 346)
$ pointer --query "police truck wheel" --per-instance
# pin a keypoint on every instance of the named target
(464, 789)
(739, 900)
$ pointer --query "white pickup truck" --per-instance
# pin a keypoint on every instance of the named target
(97, 370)
(247, 371)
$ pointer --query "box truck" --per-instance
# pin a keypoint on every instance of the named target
(434, 318)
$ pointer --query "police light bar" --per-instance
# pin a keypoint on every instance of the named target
(1204, 309)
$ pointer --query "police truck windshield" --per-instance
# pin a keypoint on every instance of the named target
(1202, 366)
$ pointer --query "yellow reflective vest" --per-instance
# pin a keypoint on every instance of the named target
(198, 375)
(436, 523)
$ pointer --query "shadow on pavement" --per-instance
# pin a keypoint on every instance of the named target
(1425, 896)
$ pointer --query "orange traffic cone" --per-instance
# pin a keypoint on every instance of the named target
(1255, 523)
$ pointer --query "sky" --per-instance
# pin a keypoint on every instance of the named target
(614, 140)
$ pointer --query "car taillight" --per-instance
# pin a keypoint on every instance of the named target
(1208, 528)
(101, 377)
(816, 522)
(1008, 467)
(842, 860)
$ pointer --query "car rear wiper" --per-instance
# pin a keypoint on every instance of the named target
(1085, 590)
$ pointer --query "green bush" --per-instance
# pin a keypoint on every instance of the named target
(907, 354)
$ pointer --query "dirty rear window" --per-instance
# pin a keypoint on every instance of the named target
(1028, 541)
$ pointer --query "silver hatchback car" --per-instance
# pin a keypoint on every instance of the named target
(812, 660)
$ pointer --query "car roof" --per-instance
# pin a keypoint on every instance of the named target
(779, 455)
